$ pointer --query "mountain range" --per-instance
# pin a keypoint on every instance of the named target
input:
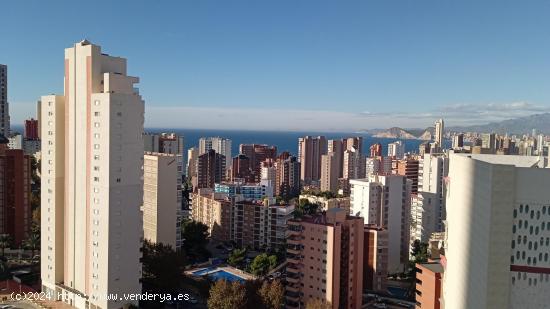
(522, 125)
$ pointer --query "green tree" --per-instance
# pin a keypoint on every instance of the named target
(236, 258)
(305, 207)
(262, 264)
(5, 242)
(32, 243)
(272, 294)
(195, 238)
(162, 267)
(419, 252)
(226, 295)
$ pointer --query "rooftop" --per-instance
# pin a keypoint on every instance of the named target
(517, 161)
(434, 267)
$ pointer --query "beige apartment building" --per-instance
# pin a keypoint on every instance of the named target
(251, 223)
(325, 260)
(375, 257)
(385, 201)
(92, 187)
(498, 232)
(162, 176)
(329, 172)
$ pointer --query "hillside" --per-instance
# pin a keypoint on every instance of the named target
(523, 125)
(395, 132)
(400, 133)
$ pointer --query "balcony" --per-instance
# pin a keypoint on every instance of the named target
(290, 233)
(293, 251)
(292, 280)
(292, 297)
(293, 259)
(293, 289)
(293, 269)
(293, 240)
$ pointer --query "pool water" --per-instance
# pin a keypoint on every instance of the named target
(219, 274)
(203, 271)
(222, 274)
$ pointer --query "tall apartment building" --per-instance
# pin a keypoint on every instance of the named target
(385, 201)
(375, 258)
(353, 143)
(329, 172)
(325, 260)
(92, 187)
(458, 141)
(376, 150)
(396, 150)
(219, 144)
(258, 153)
(354, 164)
(192, 162)
(378, 166)
(336, 147)
(210, 169)
(310, 151)
(242, 169)
(408, 167)
(258, 224)
(287, 178)
(15, 193)
(4, 105)
(433, 170)
(488, 141)
(268, 172)
(162, 198)
(439, 132)
(498, 232)
(31, 129)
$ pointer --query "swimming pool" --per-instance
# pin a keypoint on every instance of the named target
(216, 274)
(203, 271)
(222, 274)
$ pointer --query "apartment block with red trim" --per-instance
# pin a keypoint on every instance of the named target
(92, 182)
(498, 232)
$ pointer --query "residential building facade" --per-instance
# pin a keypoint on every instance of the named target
(162, 198)
(325, 260)
(92, 187)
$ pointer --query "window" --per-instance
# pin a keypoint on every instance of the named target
(96, 114)
(96, 102)
(96, 124)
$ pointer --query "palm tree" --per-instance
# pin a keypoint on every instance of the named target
(32, 243)
(5, 242)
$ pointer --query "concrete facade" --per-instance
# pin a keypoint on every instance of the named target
(385, 201)
(162, 198)
(325, 260)
(498, 236)
(92, 155)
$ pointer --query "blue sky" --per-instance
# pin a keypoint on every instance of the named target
(293, 65)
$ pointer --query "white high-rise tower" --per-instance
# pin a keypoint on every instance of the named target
(92, 183)
(439, 131)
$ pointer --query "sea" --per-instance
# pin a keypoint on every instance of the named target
(284, 140)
